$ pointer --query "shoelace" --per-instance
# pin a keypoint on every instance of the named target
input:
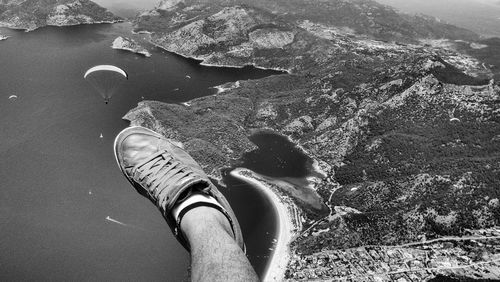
(158, 173)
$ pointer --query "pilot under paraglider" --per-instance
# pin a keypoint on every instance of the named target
(106, 79)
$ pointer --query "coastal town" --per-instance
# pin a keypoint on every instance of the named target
(478, 254)
(398, 114)
(377, 114)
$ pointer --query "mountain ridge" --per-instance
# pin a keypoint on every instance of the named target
(387, 113)
(401, 113)
(30, 15)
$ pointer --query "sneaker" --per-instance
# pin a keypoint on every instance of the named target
(167, 175)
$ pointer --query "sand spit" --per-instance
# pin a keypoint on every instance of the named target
(289, 223)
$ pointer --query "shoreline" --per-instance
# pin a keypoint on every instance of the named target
(288, 224)
(316, 164)
(142, 53)
(140, 50)
(30, 29)
(202, 60)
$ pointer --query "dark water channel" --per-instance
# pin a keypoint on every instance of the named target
(279, 159)
(59, 180)
(276, 157)
(284, 163)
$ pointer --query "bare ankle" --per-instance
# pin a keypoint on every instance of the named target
(198, 219)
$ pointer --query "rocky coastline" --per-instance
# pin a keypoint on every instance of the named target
(31, 15)
(400, 113)
(128, 44)
(204, 62)
(387, 116)
(28, 27)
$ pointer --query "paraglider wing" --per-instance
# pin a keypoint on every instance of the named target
(105, 68)
(106, 79)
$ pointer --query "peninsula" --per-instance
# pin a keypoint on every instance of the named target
(30, 15)
(398, 112)
(128, 44)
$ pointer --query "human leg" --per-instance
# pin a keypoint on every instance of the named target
(171, 179)
(215, 255)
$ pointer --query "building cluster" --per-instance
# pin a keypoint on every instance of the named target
(474, 256)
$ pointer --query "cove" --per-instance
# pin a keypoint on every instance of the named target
(286, 165)
(59, 178)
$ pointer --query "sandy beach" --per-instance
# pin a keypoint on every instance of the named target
(287, 224)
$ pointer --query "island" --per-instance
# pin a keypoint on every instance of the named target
(398, 113)
(128, 44)
(30, 15)
(3, 37)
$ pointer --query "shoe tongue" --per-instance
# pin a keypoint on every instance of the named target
(197, 187)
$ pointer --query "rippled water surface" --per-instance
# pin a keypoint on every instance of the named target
(59, 178)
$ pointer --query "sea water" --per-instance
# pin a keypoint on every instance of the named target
(61, 192)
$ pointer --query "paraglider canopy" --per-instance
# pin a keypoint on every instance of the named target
(106, 79)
